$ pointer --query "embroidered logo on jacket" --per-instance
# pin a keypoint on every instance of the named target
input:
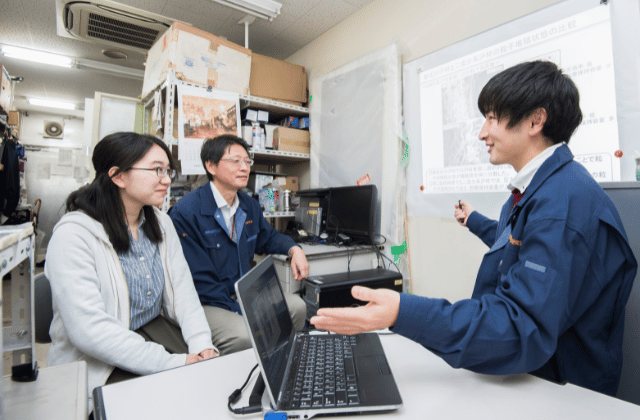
(514, 242)
(248, 222)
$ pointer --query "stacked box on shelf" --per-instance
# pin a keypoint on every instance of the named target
(198, 57)
(13, 118)
(278, 80)
(291, 140)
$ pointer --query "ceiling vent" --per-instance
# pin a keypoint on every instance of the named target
(108, 23)
(53, 130)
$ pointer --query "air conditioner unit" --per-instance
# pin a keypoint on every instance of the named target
(109, 23)
(53, 130)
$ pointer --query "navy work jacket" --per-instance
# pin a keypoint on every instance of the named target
(216, 261)
(550, 293)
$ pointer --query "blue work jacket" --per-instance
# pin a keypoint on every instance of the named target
(550, 293)
(217, 262)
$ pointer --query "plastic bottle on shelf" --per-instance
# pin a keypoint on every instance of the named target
(258, 137)
(278, 196)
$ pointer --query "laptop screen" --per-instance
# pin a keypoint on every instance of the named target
(270, 325)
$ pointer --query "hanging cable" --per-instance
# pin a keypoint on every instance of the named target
(253, 407)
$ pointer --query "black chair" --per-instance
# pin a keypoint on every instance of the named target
(43, 308)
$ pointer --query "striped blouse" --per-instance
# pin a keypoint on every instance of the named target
(142, 267)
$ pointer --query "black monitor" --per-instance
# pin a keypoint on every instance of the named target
(352, 211)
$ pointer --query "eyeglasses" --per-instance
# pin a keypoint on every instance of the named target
(238, 162)
(161, 172)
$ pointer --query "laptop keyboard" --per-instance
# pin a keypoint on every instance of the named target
(326, 374)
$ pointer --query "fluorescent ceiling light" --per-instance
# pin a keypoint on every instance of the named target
(107, 68)
(52, 103)
(37, 56)
(71, 62)
(265, 9)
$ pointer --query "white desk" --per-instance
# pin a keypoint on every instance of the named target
(59, 393)
(17, 243)
(326, 259)
(429, 387)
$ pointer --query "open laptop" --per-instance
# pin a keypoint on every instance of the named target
(354, 376)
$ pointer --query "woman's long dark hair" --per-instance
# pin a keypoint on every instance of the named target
(101, 199)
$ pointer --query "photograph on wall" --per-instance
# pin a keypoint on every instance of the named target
(203, 114)
(208, 117)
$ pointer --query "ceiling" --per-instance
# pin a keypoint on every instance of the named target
(32, 24)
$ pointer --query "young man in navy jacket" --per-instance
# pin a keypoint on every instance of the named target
(550, 293)
(220, 230)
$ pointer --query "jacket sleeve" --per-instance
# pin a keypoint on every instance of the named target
(483, 227)
(187, 308)
(515, 329)
(203, 272)
(77, 300)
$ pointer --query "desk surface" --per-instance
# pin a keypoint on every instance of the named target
(429, 387)
(59, 393)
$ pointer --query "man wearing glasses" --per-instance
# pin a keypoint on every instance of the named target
(221, 229)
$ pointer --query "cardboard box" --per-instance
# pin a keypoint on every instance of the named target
(198, 57)
(287, 182)
(14, 118)
(291, 140)
(5, 92)
(276, 79)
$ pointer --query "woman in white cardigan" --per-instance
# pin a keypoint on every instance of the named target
(123, 296)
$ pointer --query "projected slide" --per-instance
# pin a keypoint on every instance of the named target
(454, 159)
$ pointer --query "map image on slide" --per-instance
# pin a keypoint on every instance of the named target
(462, 121)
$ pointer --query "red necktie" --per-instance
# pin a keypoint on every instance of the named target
(517, 195)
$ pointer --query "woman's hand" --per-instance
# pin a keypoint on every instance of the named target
(208, 354)
(193, 358)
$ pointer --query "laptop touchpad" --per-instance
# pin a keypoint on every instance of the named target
(372, 366)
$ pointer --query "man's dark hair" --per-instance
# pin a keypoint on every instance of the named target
(518, 91)
(213, 149)
(101, 198)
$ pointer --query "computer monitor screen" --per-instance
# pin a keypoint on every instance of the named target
(352, 212)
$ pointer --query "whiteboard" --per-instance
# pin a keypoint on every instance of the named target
(449, 163)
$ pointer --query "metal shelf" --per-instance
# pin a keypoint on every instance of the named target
(278, 156)
(278, 214)
(275, 108)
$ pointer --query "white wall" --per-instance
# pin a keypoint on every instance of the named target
(47, 177)
(444, 257)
